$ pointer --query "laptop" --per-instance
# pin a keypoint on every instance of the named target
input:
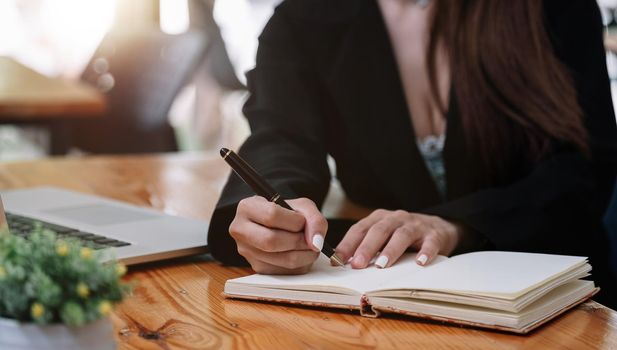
(130, 233)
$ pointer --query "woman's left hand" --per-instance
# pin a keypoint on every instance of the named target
(393, 232)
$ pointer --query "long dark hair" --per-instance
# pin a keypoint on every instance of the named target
(505, 74)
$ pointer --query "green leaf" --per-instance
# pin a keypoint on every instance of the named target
(37, 271)
(72, 314)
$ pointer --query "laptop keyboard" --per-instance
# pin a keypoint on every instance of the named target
(23, 226)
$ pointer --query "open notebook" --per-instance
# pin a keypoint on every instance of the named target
(509, 291)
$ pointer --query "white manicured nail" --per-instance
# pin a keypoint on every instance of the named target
(422, 259)
(382, 261)
(318, 241)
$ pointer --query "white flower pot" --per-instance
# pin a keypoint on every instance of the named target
(97, 335)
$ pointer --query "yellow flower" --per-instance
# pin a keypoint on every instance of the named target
(83, 290)
(37, 310)
(85, 253)
(105, 308)
(62, 249)
(2, 272)
(120, 269)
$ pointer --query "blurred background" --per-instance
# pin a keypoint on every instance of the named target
(135, 76)
(124, 76)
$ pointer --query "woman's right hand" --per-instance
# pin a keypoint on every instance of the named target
(276, 240)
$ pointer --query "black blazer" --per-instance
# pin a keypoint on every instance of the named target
(326, 82)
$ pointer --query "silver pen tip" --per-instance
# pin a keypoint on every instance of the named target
(336, 260)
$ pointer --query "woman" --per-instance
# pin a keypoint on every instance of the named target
(471, 125)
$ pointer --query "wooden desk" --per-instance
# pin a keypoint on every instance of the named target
(178, 304)
(27, 96)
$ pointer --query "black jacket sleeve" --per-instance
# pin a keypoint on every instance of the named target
(286, 128)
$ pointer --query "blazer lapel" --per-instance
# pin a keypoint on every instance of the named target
(366, 84)
(460, 164)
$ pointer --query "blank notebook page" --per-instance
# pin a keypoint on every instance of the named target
(504, 274)
(324, 275)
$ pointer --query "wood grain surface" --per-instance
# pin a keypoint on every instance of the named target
(26, 95)
(178, 304)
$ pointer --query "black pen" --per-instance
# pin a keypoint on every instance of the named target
(263, 189)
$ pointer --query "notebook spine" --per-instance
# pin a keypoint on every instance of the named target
(366, 309)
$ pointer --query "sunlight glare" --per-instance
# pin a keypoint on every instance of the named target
(174, 16)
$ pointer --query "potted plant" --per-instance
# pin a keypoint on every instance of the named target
(56, 293)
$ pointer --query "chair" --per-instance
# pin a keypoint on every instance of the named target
(216, 60)
(140, 73)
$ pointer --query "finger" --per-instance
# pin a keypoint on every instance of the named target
(374, 239)
(264, 268)
(257, 265)
(290, 260)
(259, 210)
(347, 247)
(401, 239)
(429, 249)
(266, 239)
(316, 225)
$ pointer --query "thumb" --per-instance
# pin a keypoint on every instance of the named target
(316, 225)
